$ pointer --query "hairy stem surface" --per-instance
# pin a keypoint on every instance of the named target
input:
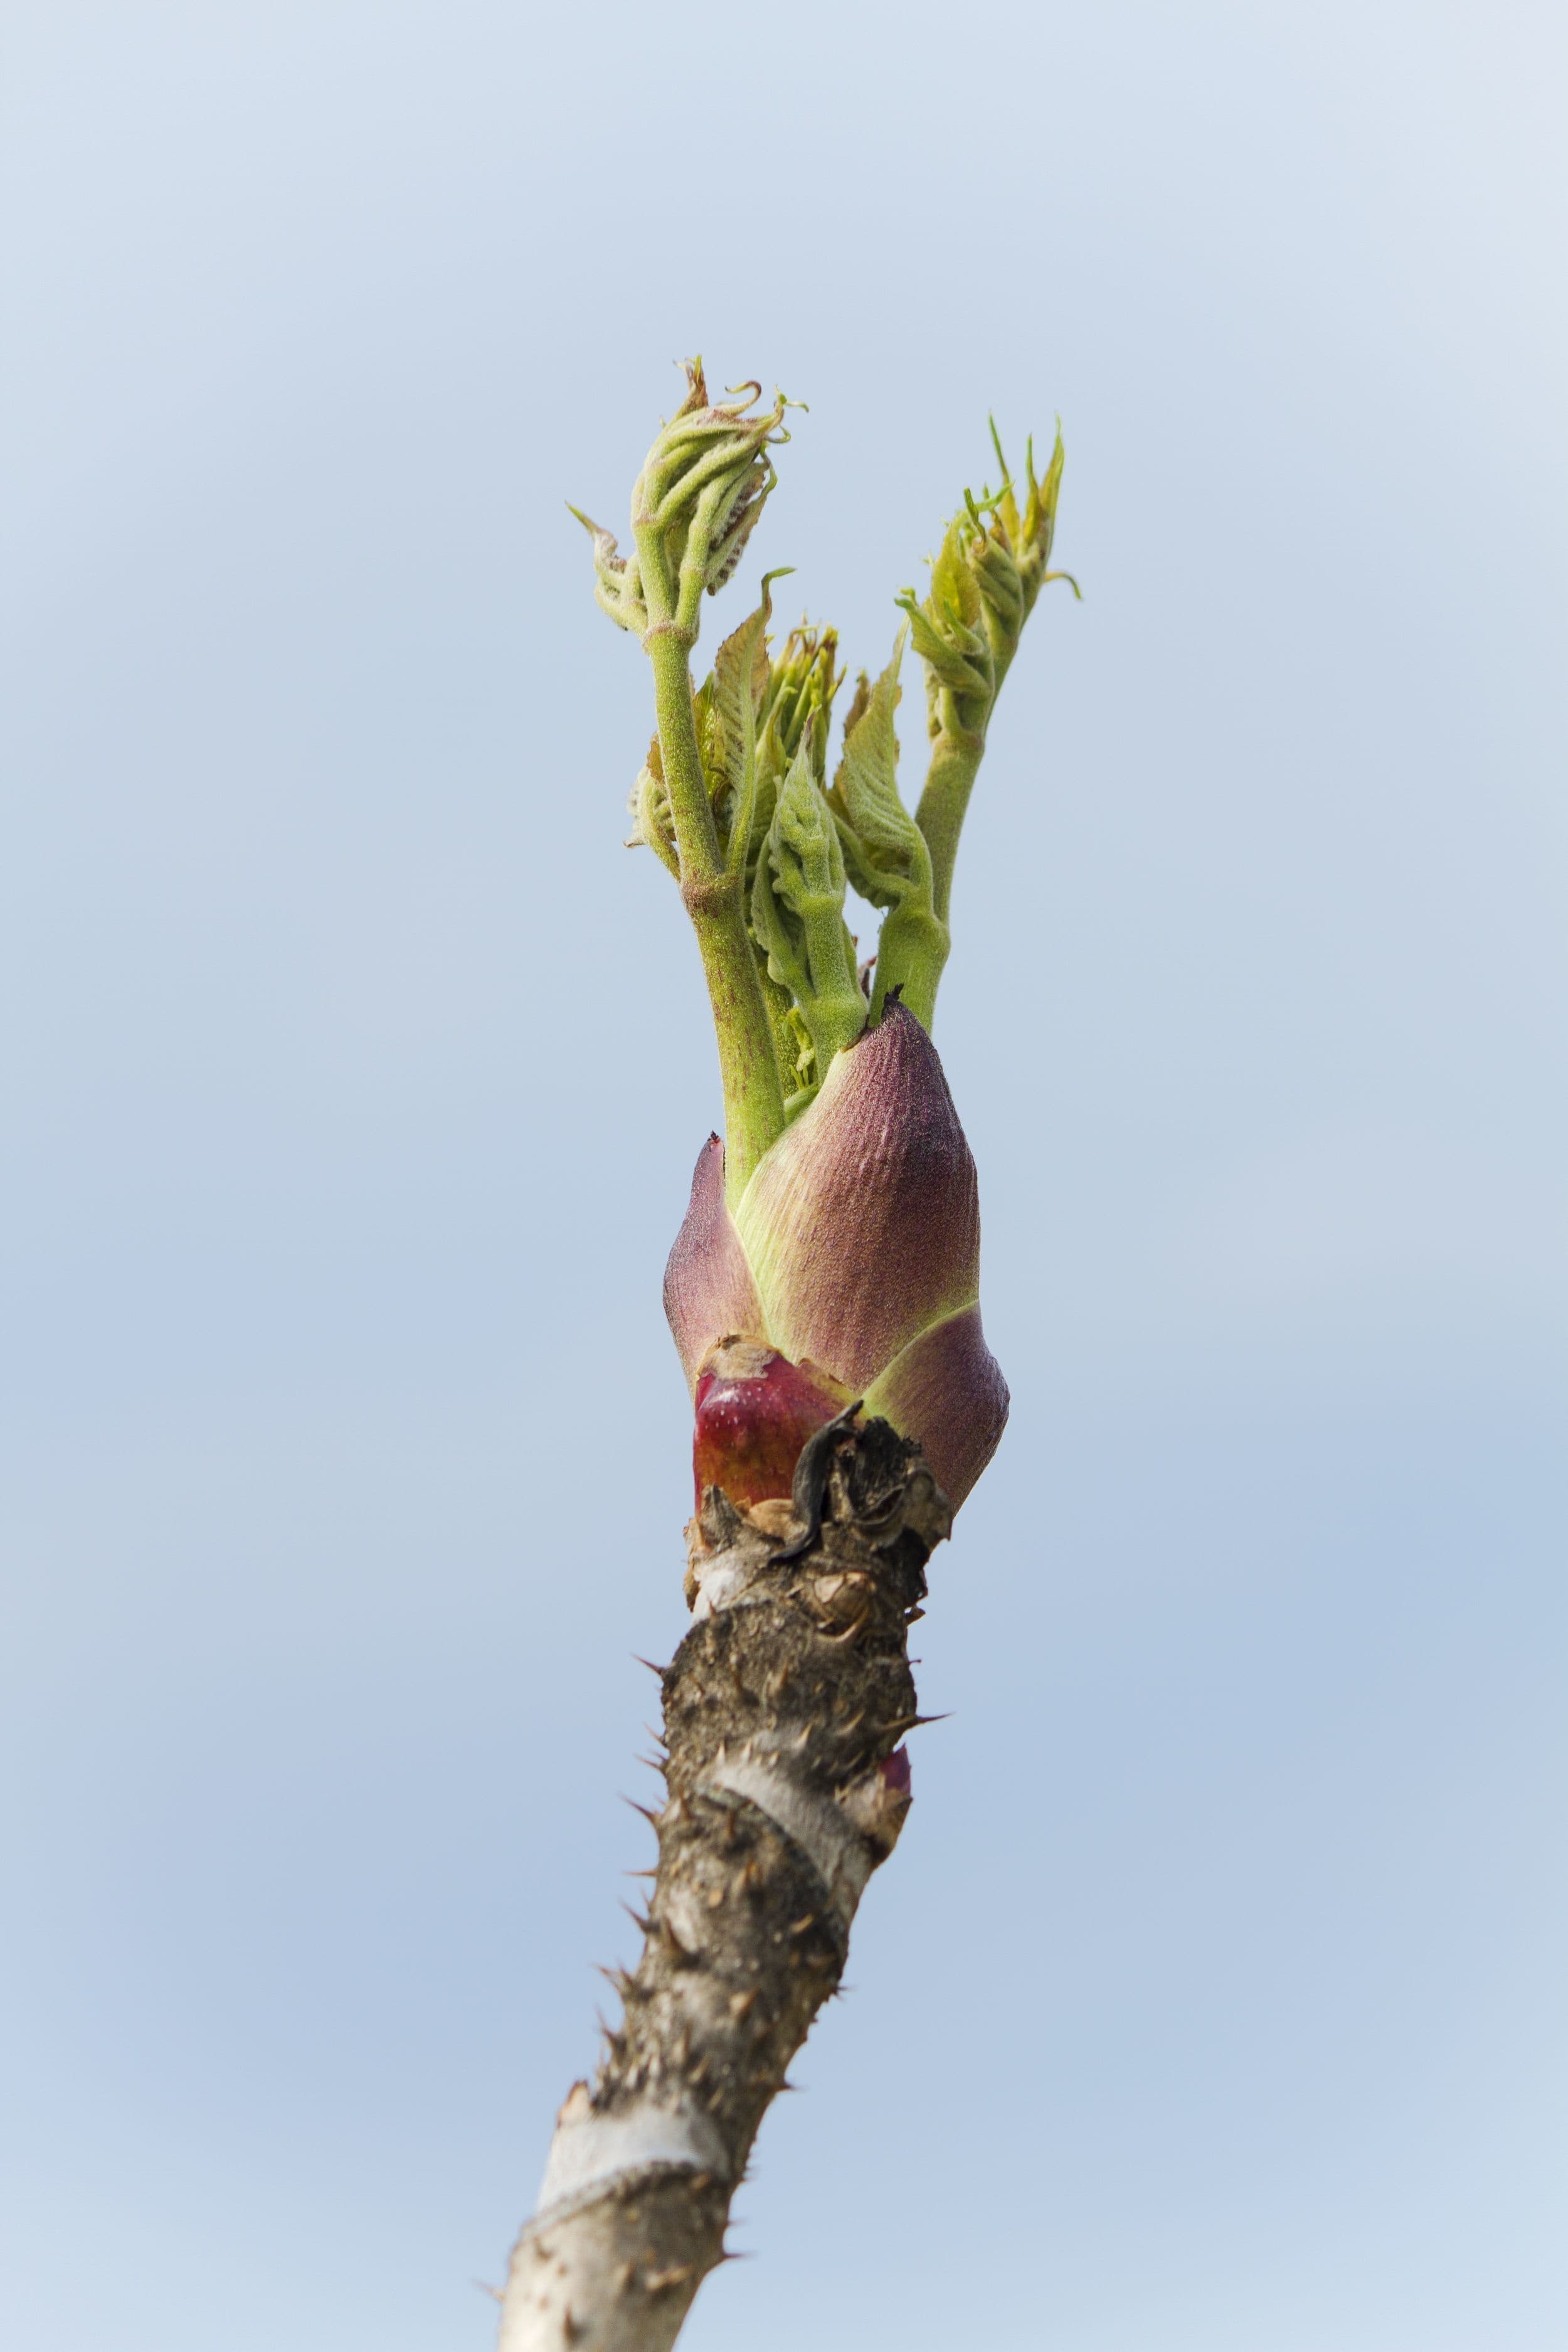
(715, 900)
(783, 1707)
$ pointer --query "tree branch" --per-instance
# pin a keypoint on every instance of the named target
(783, 1710)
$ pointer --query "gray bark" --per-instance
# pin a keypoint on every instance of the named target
(783, 1707)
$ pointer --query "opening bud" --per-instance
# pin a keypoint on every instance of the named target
(853, 1257)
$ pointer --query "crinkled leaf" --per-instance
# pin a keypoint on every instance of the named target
(802, 845)
(802, 684)
(953, 592)
(617, 586)
(648, 808)
(702, 716)
(884, 849)
(1001, 588)
(797, 913)
(740, 685)
(804, 1065)
(741, 512)
(777, 931)
(957, 658)
(1039, 526)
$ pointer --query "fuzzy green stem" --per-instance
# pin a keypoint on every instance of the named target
(911, 953)
(956, 753)
(715, 900)
(954, 762)
(836, 1011)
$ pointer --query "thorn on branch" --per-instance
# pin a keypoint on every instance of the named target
(685, 1953)
(657, 2281)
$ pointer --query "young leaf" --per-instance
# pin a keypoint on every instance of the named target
(884, 849)
(648, 808)
(737, 692)
(797, 912)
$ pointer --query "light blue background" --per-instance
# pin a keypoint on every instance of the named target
(353, 1073)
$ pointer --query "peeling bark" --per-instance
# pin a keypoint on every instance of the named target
(783, 1708)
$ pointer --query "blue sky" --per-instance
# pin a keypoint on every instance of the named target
(353, 1075)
